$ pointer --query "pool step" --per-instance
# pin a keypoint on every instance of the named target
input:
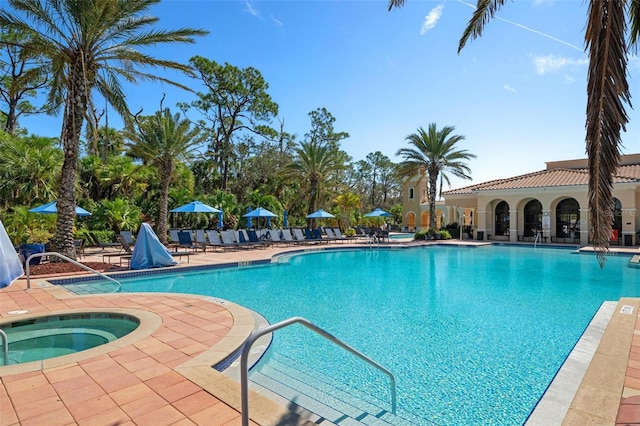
(329, 399)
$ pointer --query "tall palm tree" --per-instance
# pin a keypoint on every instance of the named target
(347, 202)
(607, 93)
(313, 164)
(434, 152)
(162, 140)
(90, 45)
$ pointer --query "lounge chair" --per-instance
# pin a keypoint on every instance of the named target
(288, 237)
(127, 236)
(215, 241)
(124, 254)
(187, 242)
(96, 241)
(201, 237)
(339, 235)
(331, 236)
(244, 240)
(229, 238)
(300, 237)
(260, 241)
(274, 236)
(173, 236)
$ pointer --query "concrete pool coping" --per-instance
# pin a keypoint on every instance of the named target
(612, 374)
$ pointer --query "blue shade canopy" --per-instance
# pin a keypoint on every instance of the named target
(260, 212)
(10, 265)
(52, 208)
(319, 214)
(195, 207)
(378, 213)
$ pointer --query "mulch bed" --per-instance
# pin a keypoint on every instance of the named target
(54, 268)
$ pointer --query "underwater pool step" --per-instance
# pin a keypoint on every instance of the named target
(341, 404)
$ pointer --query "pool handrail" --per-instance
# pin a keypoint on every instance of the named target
(244, 360)
(5, 347)
(68, 259)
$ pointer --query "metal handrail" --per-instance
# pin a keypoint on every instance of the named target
(244, 359)
(62, 256)
(5, 347)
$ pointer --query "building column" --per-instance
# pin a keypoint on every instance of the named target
(584, 227)
(513, 225)
(546, 224)
(629, 221)
(481, 220)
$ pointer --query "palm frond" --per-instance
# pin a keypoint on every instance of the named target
(485, 11)
(607, 92)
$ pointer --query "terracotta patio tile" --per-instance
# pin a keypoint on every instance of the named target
(632, 382)
(8, 416)
(125, 357)
(168, 355)
(30, 395)
(165, 380)
(91, 407)
(60, 417)
(179, 390)
(18, 377)
(82, 394)
(140, 364)
(166, 415)
(26, 383)
(196, 402)
(131, 393)
(112, 384)
(73, 384)
(151, 372)
(184, 422)
(61, 374)
(633, 372)
(629, 413)
(38, 408)
(113, 416)
(217, 414)
(96, 364)
(116, 370)
(178, 361)
(140, 407)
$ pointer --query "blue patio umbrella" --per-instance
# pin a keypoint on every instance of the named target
(285, 219)
(319, 214)
(249, 210)
(195, 207)
(378, 213)
(220, 217)
(259, 212)
(52, 208)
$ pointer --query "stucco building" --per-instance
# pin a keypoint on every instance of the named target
(551, 204)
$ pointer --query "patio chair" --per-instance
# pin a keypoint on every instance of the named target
(173, 236)
(338, 233)
(300, 237)
(229, 238)
(124, 254)
(331, 236)
(127, 236)
(274, 236)
(215, 241)
(243, 240)
(288, 237)
(260, 241)
(186, 242)
(96, 241)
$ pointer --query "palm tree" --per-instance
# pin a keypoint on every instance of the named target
(162, 140)
(434, 152)
(607, 93)
(347, 202)
(90, 45)
(313, 164)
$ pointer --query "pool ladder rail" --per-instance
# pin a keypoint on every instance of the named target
(5, 347)
(68, 259)
(244, 360)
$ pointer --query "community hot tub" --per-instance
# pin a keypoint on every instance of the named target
(44, 337)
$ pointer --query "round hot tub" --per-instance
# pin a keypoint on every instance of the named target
(52, 336)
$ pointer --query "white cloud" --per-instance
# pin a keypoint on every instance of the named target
(276, 21)
(551, 63)
(508, 88)
(431, 19)
(250, 9)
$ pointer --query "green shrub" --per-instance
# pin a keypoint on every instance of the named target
(420, 235)
(349, 232)
(444, 234)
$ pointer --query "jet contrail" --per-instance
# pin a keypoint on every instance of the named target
(550, 37)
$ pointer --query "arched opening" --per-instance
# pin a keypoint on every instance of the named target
(532, 218)
(411, 193)
(411, 222)
(501, 225)
(424, 220)
(439, 219)
(568, 219)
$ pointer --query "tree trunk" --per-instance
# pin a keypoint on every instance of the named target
(165, 181)
(73, 120)
(433, 180)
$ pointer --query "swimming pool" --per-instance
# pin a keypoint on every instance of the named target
(473, 335)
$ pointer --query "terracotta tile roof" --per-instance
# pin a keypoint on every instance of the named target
(549, 178)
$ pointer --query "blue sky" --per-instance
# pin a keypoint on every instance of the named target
(518, 93)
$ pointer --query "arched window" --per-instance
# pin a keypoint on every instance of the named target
(568, 218)
(502, 218)
(411, 193)
(532, 218)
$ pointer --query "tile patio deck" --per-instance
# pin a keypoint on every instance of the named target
(162, 375)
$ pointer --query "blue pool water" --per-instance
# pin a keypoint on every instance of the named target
(56, 335)
(473, 335)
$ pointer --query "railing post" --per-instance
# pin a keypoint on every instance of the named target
(244, 360)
